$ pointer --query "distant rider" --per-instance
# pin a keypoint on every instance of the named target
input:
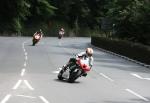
(39, 34)
(61, 33)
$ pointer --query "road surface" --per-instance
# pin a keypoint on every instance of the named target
(28, 74)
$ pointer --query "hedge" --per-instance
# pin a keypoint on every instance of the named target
(132, 50)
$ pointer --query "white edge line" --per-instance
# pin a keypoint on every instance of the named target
(43, 99)
(147, 78)
(136, 75)
(25, 96)
(141, 97)
(106, 77)
(6, 98)
(28, 85)
(23, 72)
(17, 84)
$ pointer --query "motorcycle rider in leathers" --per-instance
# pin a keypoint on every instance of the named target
(87, 55)
(38, 33)
(61, 33)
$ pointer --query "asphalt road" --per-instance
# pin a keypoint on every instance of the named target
(28, 74)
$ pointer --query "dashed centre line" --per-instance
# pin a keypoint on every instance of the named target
(106, 77)
(138, 76)
(23, 72)
(25, 64)
(141, 97)
(26, 57)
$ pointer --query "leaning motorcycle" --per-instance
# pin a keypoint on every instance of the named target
(35, 40)
(71, 73)
(60, 36)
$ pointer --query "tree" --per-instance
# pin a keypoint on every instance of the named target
(12, 14)
(130, 16)
(41, 9)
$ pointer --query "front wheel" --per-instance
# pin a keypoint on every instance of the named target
(74, 76)
(34, 41)
(60, 75)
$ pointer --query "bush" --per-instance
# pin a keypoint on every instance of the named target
(132, 50)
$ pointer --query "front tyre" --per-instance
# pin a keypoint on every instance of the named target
(74, 76)
(60, 75)
(34, 42)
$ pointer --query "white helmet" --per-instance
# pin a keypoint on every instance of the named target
(89, 51)
(62, 29)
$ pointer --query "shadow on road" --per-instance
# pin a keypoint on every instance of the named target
(64, 81)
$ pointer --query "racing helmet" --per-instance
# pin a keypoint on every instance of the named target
(89, 51)
(62, 29)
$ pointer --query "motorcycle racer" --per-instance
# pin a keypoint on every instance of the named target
(37, 36)
(61, 33)
(38, 33)
(87, 55)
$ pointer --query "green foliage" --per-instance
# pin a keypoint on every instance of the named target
(41, 9)
(14, 13)
(131, 19)
(125, 48)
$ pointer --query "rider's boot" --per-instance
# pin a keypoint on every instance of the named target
(84, 74)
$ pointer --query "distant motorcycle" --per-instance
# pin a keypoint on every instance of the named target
(61, 33)
(60, 36)
(75, 71)
(36, 39)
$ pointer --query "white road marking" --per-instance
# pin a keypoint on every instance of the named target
(25, 64)
(141, 97)
(55, 72)
(23, 72)
(138, 76)
(43, 99)
(60, 68)
(26, 58)
(25, 96)
(22, 46)
(146, 78)
(25, 53)
(28, 85)
(6, 98)
(24, 50)
(106, 77)
(17, 84)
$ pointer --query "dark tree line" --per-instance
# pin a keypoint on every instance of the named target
(130, 19)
